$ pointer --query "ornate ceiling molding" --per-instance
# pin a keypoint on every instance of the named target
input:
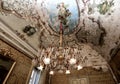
(9, 36)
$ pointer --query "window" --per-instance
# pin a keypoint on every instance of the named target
(35, 76)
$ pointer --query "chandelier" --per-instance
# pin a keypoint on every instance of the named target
(60, 59)
(65, 59)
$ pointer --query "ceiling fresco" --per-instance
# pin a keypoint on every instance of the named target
(92, 22)
(62, 11)
(53, 12)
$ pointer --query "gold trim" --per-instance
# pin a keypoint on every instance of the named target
(9, 73)
(7, 53)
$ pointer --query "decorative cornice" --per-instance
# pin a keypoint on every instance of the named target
(12, 38)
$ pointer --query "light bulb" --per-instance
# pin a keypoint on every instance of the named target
(72, 61)
(47, 60)
(51, 72)
(40, 67)
(67, 72)
(79, 67)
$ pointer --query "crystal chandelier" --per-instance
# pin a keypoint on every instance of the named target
(60, 59)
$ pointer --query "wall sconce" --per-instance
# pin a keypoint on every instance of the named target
(29, 30)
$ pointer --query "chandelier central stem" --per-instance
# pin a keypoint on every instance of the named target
(61, 35)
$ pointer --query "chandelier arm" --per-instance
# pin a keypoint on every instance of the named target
(42, 52)
(51, 51)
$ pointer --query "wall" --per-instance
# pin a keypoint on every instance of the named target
(22, 67)
(93, 77)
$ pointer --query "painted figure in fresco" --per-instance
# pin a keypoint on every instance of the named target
(85, 2)
(63, 14)
(105, 6)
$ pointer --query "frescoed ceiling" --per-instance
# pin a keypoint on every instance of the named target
(90, 22)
